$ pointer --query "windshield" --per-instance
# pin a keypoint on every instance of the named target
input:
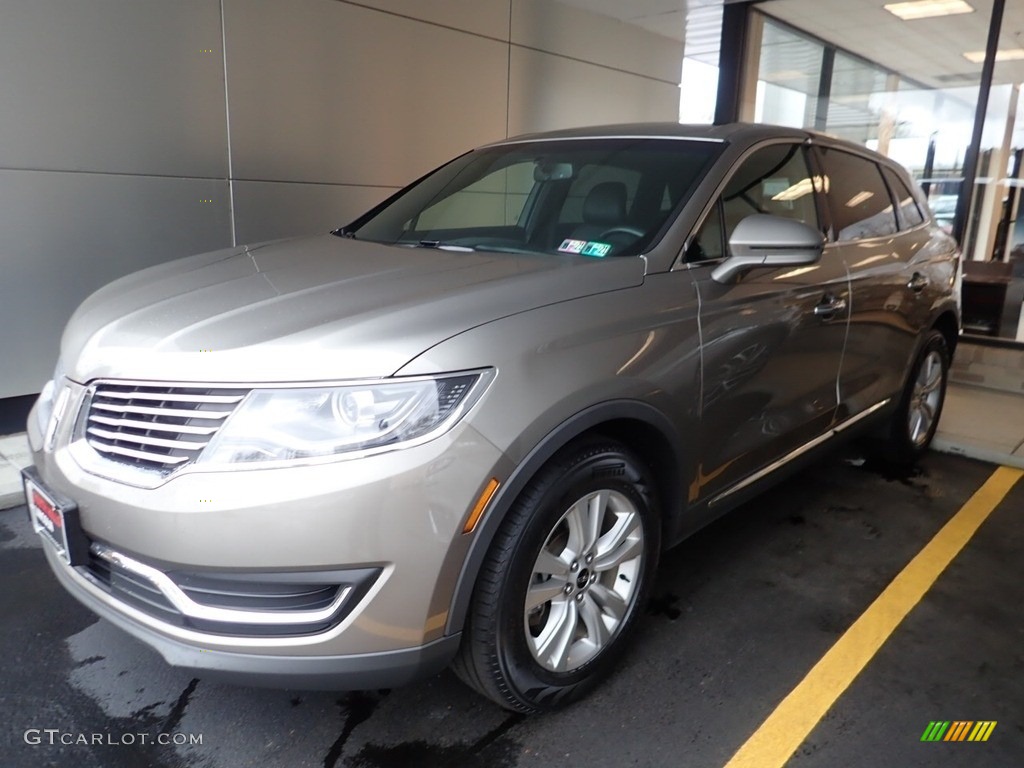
(591, 197)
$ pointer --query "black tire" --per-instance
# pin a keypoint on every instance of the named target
(513, 654)
(913, 425)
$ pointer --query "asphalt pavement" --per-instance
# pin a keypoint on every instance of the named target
(740, 613)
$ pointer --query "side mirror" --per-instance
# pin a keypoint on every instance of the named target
(769, 241)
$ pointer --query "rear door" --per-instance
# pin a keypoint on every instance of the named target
(878, 247)
(772, 340)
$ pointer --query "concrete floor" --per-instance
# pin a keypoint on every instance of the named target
(984, 413)
(984, 424)
(741, 612)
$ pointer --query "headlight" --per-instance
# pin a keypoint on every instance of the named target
(273, 425)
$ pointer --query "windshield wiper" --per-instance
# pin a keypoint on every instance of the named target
(344, 232)
(438, 245)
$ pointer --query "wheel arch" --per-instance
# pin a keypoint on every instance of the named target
(948, 325)
(946, 322)
(638, 426)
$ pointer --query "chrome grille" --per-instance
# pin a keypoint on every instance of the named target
(160, 428)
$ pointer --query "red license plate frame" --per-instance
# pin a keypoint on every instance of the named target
(55, 519)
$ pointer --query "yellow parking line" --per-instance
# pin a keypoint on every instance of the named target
(787, 727)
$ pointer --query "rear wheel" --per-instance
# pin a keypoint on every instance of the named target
(564, 581)
(914, 424)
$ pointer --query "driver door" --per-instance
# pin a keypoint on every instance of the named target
(771, 340)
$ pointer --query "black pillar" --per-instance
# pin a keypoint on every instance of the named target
(963, 205)
(828, 64)
(735, 25)
(1004, 236)
(929, 165)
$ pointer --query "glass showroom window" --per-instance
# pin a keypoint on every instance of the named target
(853, 70)
(789, 78)
(993, 290)
(699, 78)
(860, 107)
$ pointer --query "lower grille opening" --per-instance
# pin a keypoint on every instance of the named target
(235, 600)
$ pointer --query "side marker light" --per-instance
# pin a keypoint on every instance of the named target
(481, 505)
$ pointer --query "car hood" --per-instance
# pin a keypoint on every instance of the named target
(316, 308)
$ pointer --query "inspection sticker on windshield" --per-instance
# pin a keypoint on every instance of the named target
(585, 248)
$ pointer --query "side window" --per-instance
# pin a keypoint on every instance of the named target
(775, 180)
(859, 200)
(907, 210)
(710, 241)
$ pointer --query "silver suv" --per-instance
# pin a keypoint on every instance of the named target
(462, 428)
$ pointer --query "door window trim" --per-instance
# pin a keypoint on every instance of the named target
(807, 144)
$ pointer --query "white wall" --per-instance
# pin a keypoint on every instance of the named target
(112, 136)
(121, 146)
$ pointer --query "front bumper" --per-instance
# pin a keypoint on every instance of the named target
(394, 519)
(353, 671)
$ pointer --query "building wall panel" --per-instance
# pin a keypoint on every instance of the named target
(268, 210)
(67, 234)
(114, 86)
(329, 92)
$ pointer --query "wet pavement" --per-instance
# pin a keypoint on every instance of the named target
(740, 613)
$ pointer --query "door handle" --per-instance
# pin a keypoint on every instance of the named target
(918, 282)
(829, 306)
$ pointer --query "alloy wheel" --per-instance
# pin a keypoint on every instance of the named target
(584, 581)
(925, 398)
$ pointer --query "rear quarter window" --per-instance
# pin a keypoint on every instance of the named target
(907, 210)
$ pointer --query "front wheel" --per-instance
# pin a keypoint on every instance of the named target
(914, 424)
(564, 580)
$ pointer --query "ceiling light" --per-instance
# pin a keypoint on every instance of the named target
(1003, 54)
(860, 197)
(924, 9)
